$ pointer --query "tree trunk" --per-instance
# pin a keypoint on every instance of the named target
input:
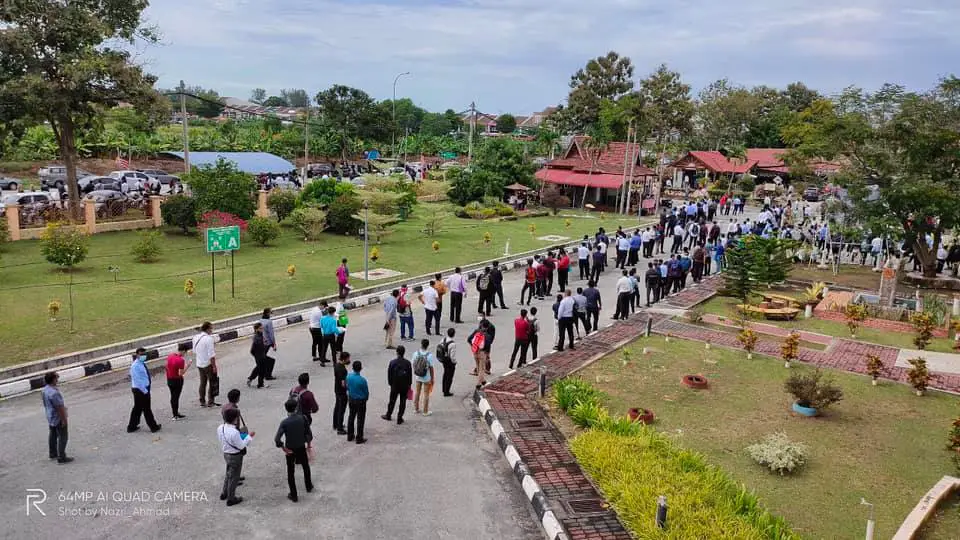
(68, 152)
(928, 256)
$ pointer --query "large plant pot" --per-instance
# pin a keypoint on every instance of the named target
(639, 414)
(804, 411)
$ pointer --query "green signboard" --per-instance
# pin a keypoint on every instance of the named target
(221, 239)
(448, 155)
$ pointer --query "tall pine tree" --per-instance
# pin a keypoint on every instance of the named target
(738, 275)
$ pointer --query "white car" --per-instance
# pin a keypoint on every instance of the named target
(133, 177)
(28, 200)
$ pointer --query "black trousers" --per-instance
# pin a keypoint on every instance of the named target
(176, 387)
(449, 368)
(339, 409)
(317, 338)
(485, 303)
(595, 274)
(499, 297)
(534, 341)
(634, 299)
(653, 289)
(621, 259)
(594, 314)
(623, 306)
(141, 406)
(328, 342)
(676, 245)
(57, 441)
(521, 345)
(456, 306)
(632, 256)
(527, 286)
(549, 283)
(298, 455)
(565, 324)
(398, 393)
(259, 370)
(584, 265)
(432, 315)
(356, 418)
(562, 275)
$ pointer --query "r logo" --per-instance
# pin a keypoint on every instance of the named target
(36, 497)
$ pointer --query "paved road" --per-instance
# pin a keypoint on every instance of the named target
(434, 477)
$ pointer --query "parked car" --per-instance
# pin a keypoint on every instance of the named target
(132, 177)
(10, 184)
(811, 194)
(91, 183)
(55, 176)
(28, 200)
(164, 178)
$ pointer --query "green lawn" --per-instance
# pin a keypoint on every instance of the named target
(149, 298)
(726, 307)
(881, 443)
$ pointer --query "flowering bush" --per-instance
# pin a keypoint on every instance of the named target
(53, 308)
(189, 287)
(790, 349)
(918, 375)
(747, 338)
(216, 218)
(435, 245)
(291, 270)
(778, 453)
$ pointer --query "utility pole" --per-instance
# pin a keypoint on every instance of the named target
(626, 162)
(186, 133)
(393, 128)
(306, 147)
(473, 124)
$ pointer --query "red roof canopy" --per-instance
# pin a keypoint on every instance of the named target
(580, 179)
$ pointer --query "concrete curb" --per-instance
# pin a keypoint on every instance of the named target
(25, 378)
(551, 525)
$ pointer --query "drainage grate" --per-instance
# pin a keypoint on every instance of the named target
(528, 424)
(586, 506)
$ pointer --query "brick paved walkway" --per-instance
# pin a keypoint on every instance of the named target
(695, 293)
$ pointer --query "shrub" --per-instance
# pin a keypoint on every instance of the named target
(309, 221)
(695, 315)
(64, 245)
(282, 202)
(4, 232)
(934, 305)
(748, 338)
(632, 471)
(618, 425)
(924, 324)
(569, 391)
(505, 210)
(778, 453)
(189, 287)
(855, 314)
(222, 187)
(587, 414)
(953, 442)
(147, 247)
(810, 389)
(554, 199)
(263, 230)
(790, 350)
(53, 307)
(324, 191)
(918, 375)
(874, 366)
(340, 215)
(179, 211)
(487, 213)
(487, 237)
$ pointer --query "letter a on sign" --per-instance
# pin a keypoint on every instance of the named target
(233, 243)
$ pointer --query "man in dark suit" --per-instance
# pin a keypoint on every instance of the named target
(400, 379)
(292, 437)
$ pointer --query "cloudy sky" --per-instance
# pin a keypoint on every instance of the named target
(517, 55)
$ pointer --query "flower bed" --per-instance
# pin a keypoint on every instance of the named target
(878, 324)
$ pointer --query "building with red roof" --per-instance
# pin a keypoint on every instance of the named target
(765, 163)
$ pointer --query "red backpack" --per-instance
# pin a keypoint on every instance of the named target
(531, 274)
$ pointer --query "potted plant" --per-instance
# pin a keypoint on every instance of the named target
(924, 324)
(639, 414)
(811, 392)
(790, 350)
(874, 367)
(918, 375)
(748, 338)
(855, 314)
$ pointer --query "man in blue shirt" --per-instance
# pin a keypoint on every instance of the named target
(357, 395)
(635, 242)
(56, 418)
(390, 314)
(330, 331)
(140, 384)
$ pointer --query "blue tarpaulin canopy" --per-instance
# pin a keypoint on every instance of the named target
(248, 162)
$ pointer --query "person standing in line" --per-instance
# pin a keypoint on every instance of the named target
(583, 261)
(652, 283)
(646, 240)
(478, 343)
(699, 256)
(521, 339)
(390, 322)
(140, 385)
(624, 289)
(550, 264)
(685, 264)
(580, 314)
(593, 307)
(343, 279)
(343, 321)
(496, 280)
(430, 299)
(316, 335)
(441, 289)
(447, 356)
(269, 341)
(405, 311)
(534, 332)
(176, 368)
(598, 263)
(259, 352)
(677, 239)
(357, 394)
(635, 293)
(565, 319)
(623, 249)
(458, 289)
(206, 361)
(602, 245)
(234, 444)
(636, 241)
(56, 413)
(294, 437)
(529, 283)
(331, 332)
(340, 392)
(664, 269)
(485, 293)
(556, 319)
(400, 380)
(423, 377)
(563, 269)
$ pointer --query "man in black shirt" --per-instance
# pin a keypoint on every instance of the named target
(496, 280)
(594, 305)
(293, 436)
(400, 379)
(652, 279)
(340, 392)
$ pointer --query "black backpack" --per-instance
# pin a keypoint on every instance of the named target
(294, 394)
(443, 351)
(420, 364)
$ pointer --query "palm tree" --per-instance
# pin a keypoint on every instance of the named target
(598, 140)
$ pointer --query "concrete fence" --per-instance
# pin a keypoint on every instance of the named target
(90, 221)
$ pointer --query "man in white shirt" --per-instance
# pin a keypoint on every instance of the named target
(583, 260)
(429, 298)
(603, 252)
(316, 336)
(234, 446)
(623, 247)
(624, 290)
(876, 246)
(206, 360)
(458, 289)
(647, 240)
(565, 319)
(677, 239)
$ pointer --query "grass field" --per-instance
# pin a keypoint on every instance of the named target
(726, 307)
(149, 298)
(881, 443)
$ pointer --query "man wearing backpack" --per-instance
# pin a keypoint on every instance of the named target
(479, 347)
(521, 339)
(529, 282)
(306, 402)
(405, 310)
(423, 377)
(534, 332)
(294, 437)
(485, 293)
(400, 379)
(447, 356)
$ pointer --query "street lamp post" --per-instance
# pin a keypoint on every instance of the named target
(366, 245)
(393, 129)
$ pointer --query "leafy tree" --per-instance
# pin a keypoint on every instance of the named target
(340, 214)
(771, 259)
(506, 124)
(263, 230)
(349, 112)
(463, 188)
(378, 225)
(724, 113)
(147, 247)
(282, 202)
(179, 211)
(258, 95)
(202, 102)
(440, 124)
(667, 108)
(499, 163)
(604, 77)
(295, 97)
(222, 187)
(64, 245)
(600, 136)
(309, 221)
(275, 101)
(57, 65)
(323, 191)
(738, 274)
(554, 199)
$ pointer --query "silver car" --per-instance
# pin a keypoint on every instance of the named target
(55, 176)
